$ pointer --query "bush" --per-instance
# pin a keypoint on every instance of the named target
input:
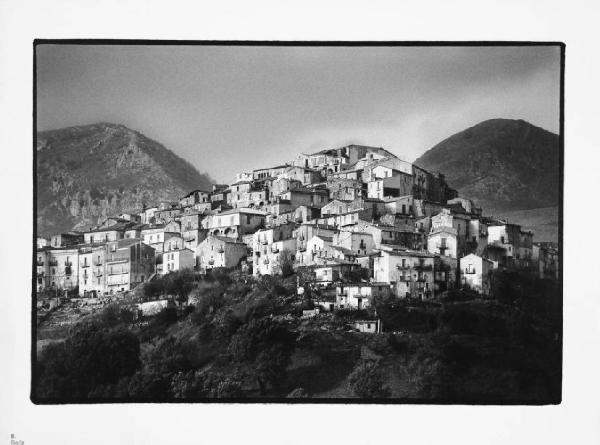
(366, 381)
(202, 384)
(90, 357)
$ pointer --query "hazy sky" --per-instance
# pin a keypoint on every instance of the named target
(230, 109)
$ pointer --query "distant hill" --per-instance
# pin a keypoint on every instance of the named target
(506, 166)
(87, 173)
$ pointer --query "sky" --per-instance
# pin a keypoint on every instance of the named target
(228, 109)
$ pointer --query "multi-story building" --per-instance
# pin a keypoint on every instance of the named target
(476, 273)
(156, 236)
(272, 172)
(217, 251)
(194, 197)
(359, 295)
(234, 223)
(147, 215)
(248, 194)
(177, 259)
(92, 270)
(113, 232)
(68, 239)
(360, 243)
(477, 238)
(310, 197)
(442, 240)
(344, 189)
(385, 235)
(410, 272)
(503, 242)
(389, 183)
(163, 216)
(57, 268)
(545, 256)
(271, 247)
(129, 262)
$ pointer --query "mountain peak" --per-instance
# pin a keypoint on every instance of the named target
(88, 172)
(504, 164)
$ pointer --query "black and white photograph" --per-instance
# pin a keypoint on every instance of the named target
(300, 223)
(326, 222)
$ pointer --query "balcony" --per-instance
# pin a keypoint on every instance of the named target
(98, 263)
(423, 266)
(275, 249)
(68, 263)
(266, 261)
(84, 265)
(40, 274)
(402, 267)
(98, 274)
(118, 260)
(221, 250)
(211, 262)
(40, 263)
(421, 278)
(118, 272)
(53, 263)
(264, 242)
(68, 270)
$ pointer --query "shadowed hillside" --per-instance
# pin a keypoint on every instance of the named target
(503, 164)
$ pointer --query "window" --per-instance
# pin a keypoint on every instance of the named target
(470, 269)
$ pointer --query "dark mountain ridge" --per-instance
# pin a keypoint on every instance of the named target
(502, 164)
(86, 173)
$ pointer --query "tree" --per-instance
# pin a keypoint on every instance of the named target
(180, 284)
(90, 357)
(286, 263)
(366, 381)
(267, 346)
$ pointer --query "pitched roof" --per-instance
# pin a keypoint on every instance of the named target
(242, 210)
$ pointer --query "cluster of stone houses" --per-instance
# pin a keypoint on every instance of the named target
(355, 222)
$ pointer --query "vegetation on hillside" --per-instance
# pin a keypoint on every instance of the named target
(244, 338)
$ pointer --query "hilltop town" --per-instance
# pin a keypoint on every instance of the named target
(358, 219)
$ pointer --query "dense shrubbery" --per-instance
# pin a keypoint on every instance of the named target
(89, 358)
(403, 315)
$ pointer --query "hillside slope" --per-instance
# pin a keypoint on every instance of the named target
(503, 164)
(87, 173)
